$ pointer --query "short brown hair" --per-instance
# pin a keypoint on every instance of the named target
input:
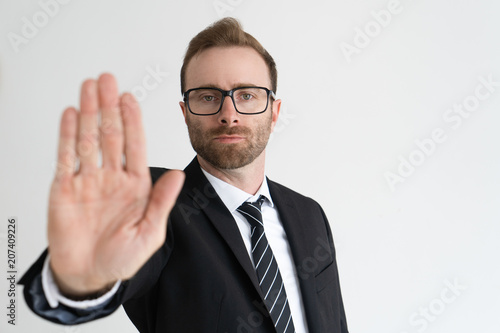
(224, 33)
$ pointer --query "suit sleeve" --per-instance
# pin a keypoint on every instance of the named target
(35, 298)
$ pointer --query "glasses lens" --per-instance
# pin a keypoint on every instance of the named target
(250, 100)
(204, 101)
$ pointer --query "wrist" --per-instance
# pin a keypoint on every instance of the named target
(79, 289)
(83, 295)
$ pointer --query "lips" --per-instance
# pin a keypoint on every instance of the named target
(230, 135)
(229, 138)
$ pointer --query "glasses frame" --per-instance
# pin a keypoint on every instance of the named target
(226, 93)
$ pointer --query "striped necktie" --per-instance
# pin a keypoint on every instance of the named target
(268, 273)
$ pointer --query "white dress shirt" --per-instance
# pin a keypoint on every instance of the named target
(232, 197)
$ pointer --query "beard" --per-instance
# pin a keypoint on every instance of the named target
(232, 155)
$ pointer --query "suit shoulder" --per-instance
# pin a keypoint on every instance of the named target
(287, 192)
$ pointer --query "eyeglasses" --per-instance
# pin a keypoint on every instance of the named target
(246, 100)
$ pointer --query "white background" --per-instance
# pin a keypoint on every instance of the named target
(346, 122)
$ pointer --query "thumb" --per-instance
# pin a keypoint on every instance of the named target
(163, 197)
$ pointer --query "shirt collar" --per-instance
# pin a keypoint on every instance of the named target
(233, 197)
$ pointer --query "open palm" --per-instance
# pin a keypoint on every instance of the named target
(105, 219)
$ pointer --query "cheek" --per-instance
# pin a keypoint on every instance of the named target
(265, 127)
(192, 122)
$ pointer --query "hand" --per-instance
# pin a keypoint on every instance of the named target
(105, 221)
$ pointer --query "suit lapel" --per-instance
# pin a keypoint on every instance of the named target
(301, 242)
(200, 191)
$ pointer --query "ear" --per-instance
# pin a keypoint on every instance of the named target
(276, 112)
(184, 110)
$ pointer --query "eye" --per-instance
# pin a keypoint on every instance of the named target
(205, 96)
(246, 95)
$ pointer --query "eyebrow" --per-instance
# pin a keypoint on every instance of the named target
(239, 85)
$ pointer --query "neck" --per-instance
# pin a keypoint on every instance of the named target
(248, 178)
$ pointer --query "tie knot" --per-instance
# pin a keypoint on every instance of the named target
(252, 211)
(260, 201)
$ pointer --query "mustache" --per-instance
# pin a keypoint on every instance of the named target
(237, 130)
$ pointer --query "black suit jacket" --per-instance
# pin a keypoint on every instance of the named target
(202, 279)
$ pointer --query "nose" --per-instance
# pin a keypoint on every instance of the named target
(228, 114)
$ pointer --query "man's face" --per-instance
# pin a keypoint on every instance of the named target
(228, 139)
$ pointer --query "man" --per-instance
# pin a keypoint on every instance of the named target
(239, 253)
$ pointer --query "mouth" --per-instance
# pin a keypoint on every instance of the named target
(229, 138)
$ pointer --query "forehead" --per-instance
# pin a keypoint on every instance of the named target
(226, 68)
